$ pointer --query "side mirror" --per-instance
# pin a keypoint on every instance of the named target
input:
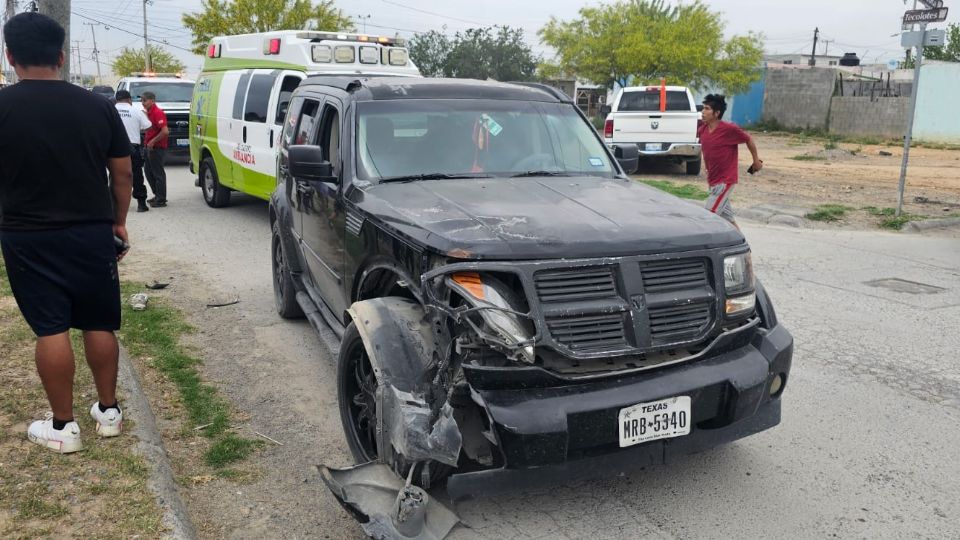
(306, 162)
(605, 110)
(628, 156)
(699, 108)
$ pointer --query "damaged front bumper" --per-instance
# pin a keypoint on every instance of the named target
(553, 435)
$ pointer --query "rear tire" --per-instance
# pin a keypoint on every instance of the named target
(693, 167)
(214, 194)
(284, 291)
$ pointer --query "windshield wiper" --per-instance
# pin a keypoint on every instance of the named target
(430, 176)
(539, 173)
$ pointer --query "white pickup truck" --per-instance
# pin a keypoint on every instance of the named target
(635, 118)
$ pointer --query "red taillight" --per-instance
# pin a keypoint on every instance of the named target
(608, 129)
(275, 46)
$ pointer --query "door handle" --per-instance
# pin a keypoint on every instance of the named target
(244, 133)
(271, 138)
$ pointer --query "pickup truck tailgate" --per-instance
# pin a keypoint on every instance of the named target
(660, 127)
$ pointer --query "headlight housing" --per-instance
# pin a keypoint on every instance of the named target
(499, 307)
(738, 283)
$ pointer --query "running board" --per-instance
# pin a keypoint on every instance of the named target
(327, 332)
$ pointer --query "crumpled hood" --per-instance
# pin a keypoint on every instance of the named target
(525, 218)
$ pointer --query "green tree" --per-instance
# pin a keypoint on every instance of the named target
(229, 17)
(497, 52)
(950, 52)
(645, 40)
(132, 61)
(429, 52)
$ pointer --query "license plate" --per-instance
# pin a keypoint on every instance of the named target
(654, 147)
(183, 142)
(662, 419)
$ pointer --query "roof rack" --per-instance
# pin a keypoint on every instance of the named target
(559, 94)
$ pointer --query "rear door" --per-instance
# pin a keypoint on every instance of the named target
(256, 151)
(638, 118)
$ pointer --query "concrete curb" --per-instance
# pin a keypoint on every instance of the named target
(926, 225)
(161, 481)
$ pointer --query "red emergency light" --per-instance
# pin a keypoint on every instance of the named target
(213, 51)
(271, 46)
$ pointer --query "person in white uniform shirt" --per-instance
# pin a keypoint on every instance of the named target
(135, 121)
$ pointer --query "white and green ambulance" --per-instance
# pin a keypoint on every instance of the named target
(241, 98)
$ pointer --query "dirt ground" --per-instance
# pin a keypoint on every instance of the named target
(853, 175)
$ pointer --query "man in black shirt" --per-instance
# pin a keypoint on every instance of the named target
(58, 221)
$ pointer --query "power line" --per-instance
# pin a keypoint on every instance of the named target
(163, 42)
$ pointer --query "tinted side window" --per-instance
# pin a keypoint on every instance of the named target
(290, 127)
(308, 118)
(330, 135)
(241, 93)
(650, 101)
(258, 97)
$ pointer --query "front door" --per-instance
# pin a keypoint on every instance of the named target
(256, 153)
(323, 221)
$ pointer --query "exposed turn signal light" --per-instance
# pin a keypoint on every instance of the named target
(471, 282)
(741, 304)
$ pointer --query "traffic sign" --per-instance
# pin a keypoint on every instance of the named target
(925, 15)
(932, 4)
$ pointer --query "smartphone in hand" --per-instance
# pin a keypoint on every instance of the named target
(751, 170)
(121, 246)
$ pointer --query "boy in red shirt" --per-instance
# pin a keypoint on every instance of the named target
(720, 143)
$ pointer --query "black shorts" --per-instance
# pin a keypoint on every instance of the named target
(64, 278)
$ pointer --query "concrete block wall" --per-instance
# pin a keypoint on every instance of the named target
(882, 117)
(799, 98)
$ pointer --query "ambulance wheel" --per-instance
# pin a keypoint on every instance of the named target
(214, 194)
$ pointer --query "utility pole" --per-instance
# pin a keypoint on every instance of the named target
(59, 11)
(96, 52)
(826, 46)
(11, 10)
(79, 63)
(911, 114)
(146, 44)
(813, 53)
(364, 18)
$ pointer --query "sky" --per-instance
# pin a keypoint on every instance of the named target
(866, 27)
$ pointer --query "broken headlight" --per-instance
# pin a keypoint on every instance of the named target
(500, 308)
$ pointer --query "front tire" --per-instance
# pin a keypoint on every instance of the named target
(214, 194)
(356, 396)
(284, 291)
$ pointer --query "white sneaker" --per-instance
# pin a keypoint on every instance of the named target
(109, 422)
(64, 440)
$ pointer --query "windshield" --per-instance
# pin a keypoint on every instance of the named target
(166, 91)
(456, 137)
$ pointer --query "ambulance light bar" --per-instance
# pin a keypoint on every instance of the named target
(383, 40)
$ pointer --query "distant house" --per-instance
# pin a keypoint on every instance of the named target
(589, 97)
(801, 59)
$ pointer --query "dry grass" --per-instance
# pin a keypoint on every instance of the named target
(100, 492)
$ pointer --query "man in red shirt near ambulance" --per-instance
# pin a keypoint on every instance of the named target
(155, 139)
(720, 142)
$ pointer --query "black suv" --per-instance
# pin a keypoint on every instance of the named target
(509, 306)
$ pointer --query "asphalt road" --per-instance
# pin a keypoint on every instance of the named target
(868, 446)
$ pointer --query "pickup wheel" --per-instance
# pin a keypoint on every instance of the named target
(693, 167)
(284, 292)
(357, 396)
(214, 194)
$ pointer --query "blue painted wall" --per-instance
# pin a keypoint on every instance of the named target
(747, 108)
(938, 117)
